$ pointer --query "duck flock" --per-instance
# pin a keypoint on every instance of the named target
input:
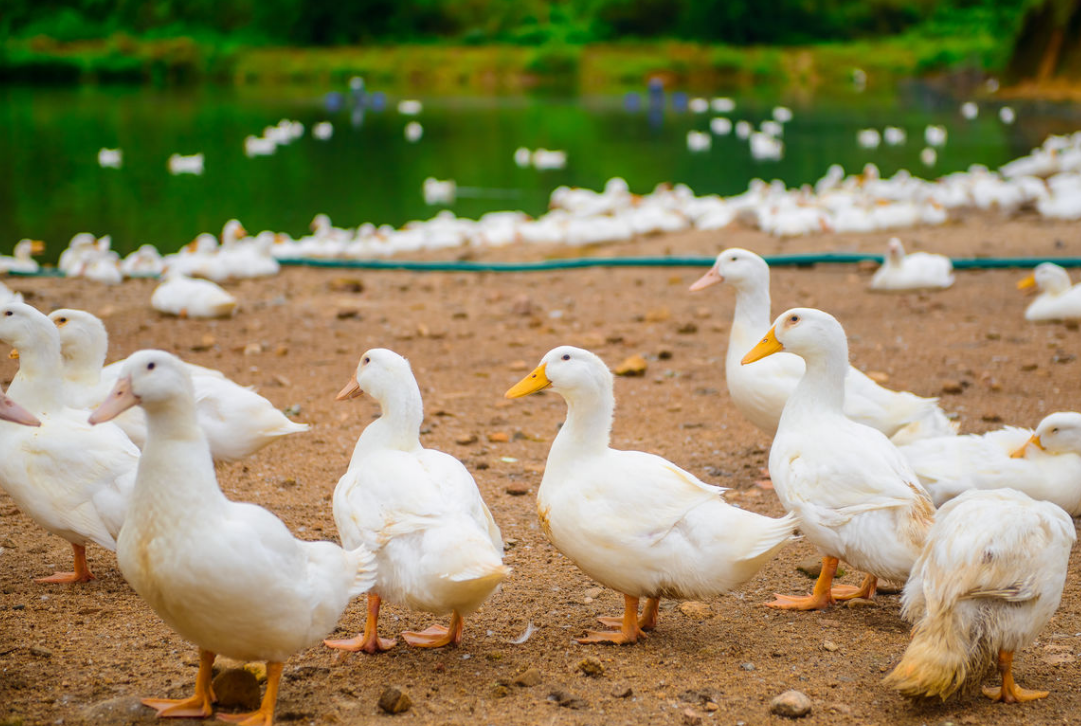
(123, 456)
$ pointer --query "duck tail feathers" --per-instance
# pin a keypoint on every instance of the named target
(361, 562)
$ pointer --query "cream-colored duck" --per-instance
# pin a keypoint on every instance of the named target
(23, 260)
(989, 579)
(236, 420)
(227, 576)
(1044, 464)
(437, 547)
(72, 479)
(186, 297)
(633, 521)
(857, 498)
(1057, 299)
(902, 272)
(760, 392)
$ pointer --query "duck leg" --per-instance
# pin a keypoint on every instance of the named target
(369, 641)
(437, 636)
(198, 706)
(647, 621)
(820, 598)
(866, 589)
(82, 570)
(1010, 692)
(265, 715)
(629, 630)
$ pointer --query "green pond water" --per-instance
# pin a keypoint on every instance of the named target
(53, 187)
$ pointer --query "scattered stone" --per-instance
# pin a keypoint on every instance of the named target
(879, 377)
(696, 610)
(659, 315)
(691, 718)
(237, 688)
(567, 700)
(594, 592)
(498, 437)
(346, 284)
(500, 690)
(812, 567)
(519, 365)
(991, 418)
(40, 652)
(591, 667)
(791, 704)
(466, 439)
(517, 488)
(528, 678)
(859, 602)
(347, 313)
(867, 266)
(257, 669)
(830, 646)
(394, 700)
(687, 329)
(711, 706)
(1029, 367)
(116, 711)
(664, 354)
(634, 366)
(253, 349)
(952, 386)
(622, 692)
(842, 708)
(747, 666)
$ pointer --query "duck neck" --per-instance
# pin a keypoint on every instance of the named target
(37, 384)
(177, 446)
(751, 319)
(588, 426)
(399, 425)
(822, 388)
(82, 365)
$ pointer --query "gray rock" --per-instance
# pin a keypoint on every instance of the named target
(791, 704)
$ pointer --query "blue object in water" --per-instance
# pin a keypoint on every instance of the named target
(679, 101)
(632, 102)
(377, 101)
(333, 101)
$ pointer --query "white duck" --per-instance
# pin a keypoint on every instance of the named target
(186, 297)
(227, 576)
(857, 498)
(916, 271)
(1058, 300)
(72, 479)
(7, 295)
(634, 521)
(760, 392)
(236, 420)
(437, 547)
(22, 260)
(989, 579)
(1045, 464)
(143, 262)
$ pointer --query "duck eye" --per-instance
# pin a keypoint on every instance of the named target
(8, 313)
(367, 360)
(1054, 430)
(150, 366)
(63, 320)
(794, 319)
(566, 356)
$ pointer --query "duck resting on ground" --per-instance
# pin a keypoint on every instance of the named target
(902, 272)
(227, 576)
(633, 521)
(436, 545)
(989, 579)
(1057, 299)
(856, 496)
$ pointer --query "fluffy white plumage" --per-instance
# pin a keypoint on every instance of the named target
(989, 579)
(916, 271)
(1057, 299)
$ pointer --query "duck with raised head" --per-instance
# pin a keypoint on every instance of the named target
(634, 521)
(72, 479)
(989, 579)
(857, 497)
(760, 392)
(419, 510)
(226, 576)
(902, 272)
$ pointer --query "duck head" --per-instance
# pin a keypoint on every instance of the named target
(567, 370)
(379, 372)
(149, 378)
(1058, 433)
(82, 335)
(803, 331)
(1047, 277)
(736, 266)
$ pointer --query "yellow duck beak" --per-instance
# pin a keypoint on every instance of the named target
(351, 390)
(767, 346)
(532, 383)
(710, 278)
(37, 247)
(1027, 283)
(14, 354)
(1034, 441)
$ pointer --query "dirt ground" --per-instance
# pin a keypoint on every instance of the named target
(65, 649)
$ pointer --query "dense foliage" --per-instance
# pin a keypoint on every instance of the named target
(521, 22)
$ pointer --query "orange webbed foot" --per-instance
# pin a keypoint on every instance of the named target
(806, 602)
(194, 707)
(1013, 694)
(370, 645)
(611, 637)
(66, 577)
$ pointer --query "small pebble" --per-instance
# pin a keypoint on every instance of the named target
(466, 439)
(791, 704)
(498, 437)
(691, 718)
(591, 667)
(696, 610)
(622, 692)
(634, 366)
(517, 488)
(952, 386)
(39, 651)
(528, 678)
(394, 700)
(830, 646)
(237, 688)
